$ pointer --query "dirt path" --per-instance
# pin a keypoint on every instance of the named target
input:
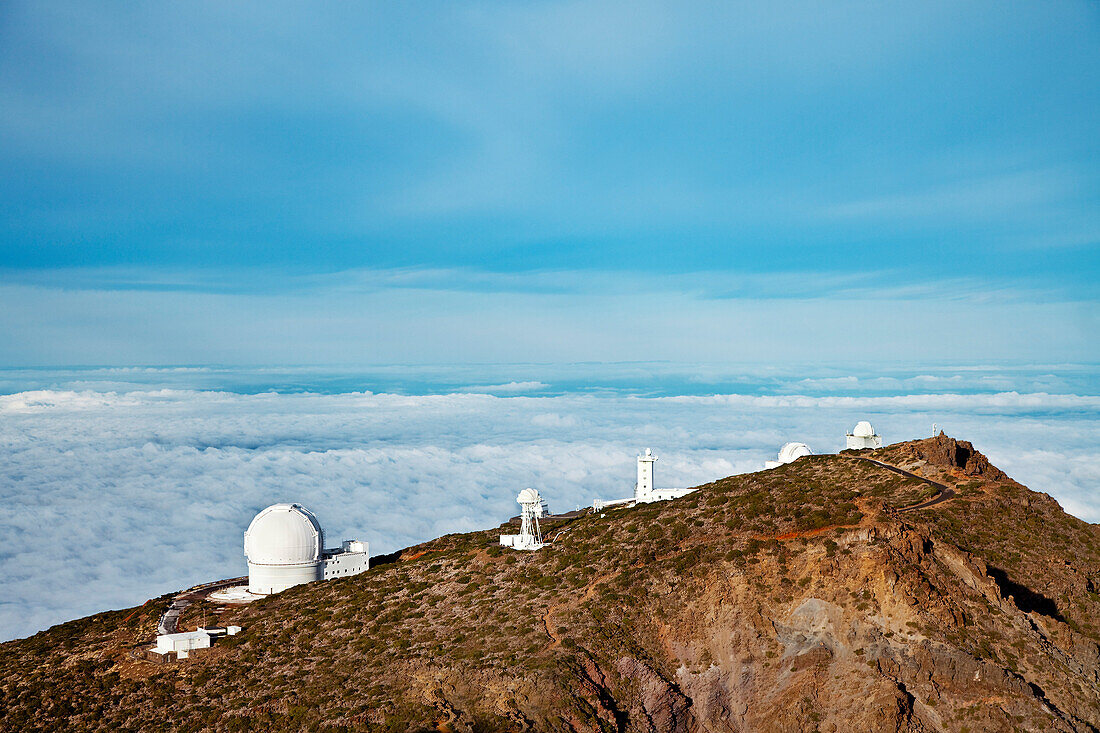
(547, 620)
(945, 491)
(944, 495)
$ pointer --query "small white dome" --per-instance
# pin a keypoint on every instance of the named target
(284, 534)
(529, 496)
(793, 451)
(863, 430)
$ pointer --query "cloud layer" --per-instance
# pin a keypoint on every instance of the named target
(113, 497)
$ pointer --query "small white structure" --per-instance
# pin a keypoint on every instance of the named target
(530, 536)
(863, 436)
(181, 644)
(789, 453)
(285, 545)
(644, 492)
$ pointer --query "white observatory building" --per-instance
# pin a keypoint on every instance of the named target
(863, 436)
(530, 536)
(789, 453)
(644, 492)
(285, 546)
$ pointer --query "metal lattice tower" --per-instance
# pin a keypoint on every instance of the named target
(531, 504)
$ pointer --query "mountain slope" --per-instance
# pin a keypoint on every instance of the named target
(809, 597)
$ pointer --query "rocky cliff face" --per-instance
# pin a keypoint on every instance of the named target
(945, 453)
(809, 597)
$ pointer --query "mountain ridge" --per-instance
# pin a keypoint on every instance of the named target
(828, 594)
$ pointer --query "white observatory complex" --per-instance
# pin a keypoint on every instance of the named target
(285, 546)
(530, 536)
(644, 492)
(789, 453)
(863, 436)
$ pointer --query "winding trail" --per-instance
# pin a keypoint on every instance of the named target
(945, 492)
(547, 618)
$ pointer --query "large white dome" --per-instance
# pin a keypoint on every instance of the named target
(284, 534)
(863, 429)
(793, 451)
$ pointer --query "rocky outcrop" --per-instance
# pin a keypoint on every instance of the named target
(946, 451)
(661, 707)
(594, 700)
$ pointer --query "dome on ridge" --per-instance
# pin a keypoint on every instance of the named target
(863, 430)
(284, 534)
(793, 451)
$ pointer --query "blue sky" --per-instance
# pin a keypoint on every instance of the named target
(430, 182)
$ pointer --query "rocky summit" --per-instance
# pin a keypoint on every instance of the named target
(911, 588)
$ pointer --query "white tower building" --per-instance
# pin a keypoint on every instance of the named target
(643, 490)
(285, 544)
(789, 453)
(863, 436)
(529, 537)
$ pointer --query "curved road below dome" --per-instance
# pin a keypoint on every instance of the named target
(945, 493)
(170, 619)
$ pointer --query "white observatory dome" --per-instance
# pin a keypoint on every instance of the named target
(793, 451)
(283, 544)
(284, 534)
(529, 496)
(863, 429)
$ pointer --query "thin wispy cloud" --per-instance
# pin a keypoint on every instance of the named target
(1000, 198)
(880, 284)
(508, 388)
(434, 323)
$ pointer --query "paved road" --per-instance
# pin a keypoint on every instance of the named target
(551, 517)
(945, 493)
(169, 621)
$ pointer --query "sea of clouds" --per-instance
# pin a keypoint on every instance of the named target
(113, 496)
